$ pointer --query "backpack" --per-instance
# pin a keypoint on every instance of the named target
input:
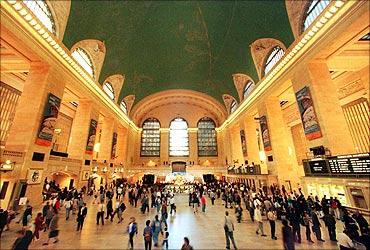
(122, 207)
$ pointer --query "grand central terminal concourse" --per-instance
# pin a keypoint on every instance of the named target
(185, 124)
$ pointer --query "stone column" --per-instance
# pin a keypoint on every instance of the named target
(121, 151)
(106, 139)
(80, 129)
(284, 164)
(236, 147)
(165, 140)
(250, 126)
(193, 145)
(334, 129)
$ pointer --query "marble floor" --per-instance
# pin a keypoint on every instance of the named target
(205, 231)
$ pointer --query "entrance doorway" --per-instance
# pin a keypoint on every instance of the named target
(178, 166)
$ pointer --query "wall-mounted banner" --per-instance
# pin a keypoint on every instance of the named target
(46, 131)
(91, 137)
(265, 134)
(114, 145)
(244, 142)
(308, 114)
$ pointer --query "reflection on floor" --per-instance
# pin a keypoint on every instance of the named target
(205, 231)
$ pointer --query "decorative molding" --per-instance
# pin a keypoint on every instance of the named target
(228, 99)
(260, 50)
(129, 100)
(350, 88)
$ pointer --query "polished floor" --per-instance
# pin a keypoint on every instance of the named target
(205, 231)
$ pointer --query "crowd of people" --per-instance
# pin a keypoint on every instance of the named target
(293, 209)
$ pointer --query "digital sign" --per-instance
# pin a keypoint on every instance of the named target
(350, 164)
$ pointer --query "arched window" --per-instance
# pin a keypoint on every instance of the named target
(233, 106)
(84, 60)
(123, 107)
(108, 88)
(207, 141)
(150, 138)
(273, 58)
(41, 10)
(313, 11)
(179, 138)
(248, 88)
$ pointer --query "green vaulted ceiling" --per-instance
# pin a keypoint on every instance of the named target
(160, 45)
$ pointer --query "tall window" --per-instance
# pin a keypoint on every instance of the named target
(248, 89)
(274, 57)
(123, 107)
(207, 142)
(233, 106)
(313, 11)
(179, 138)
(84, 60)
(41, 10)
(108, 88)
(150, 138)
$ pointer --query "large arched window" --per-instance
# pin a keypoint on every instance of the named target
(108, 88)
(313, 11)
(150, 138)
(273, 58)
(248, 88)
(179, 138)
(123, 107)
(84, 60)
(207, 141)
(233, 106)
(42, 11)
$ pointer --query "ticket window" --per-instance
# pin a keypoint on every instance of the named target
(338, 191)
(358, 198)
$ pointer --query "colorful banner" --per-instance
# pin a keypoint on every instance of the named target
(91, 137)
(46, 131)
(308, 115)
(265, 134)
(244, 142)
(114, 145)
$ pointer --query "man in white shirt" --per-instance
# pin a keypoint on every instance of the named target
(172, 204)
(68, 206)
(258, 219)
(344, 242)
(229, 231)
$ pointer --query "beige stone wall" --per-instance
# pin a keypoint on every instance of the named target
(296, 12)
(60, 10)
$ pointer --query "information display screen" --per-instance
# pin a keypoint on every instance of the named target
(350, 164)
(318, 167)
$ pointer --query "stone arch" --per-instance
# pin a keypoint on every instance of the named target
(116, 81)
(260, 49)
(60, 11)
(240, 80)
(296, 12)
(129, 100)
(96, 50)
(228, 99)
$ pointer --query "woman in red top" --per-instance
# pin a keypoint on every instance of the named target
(39, 225)
(57, 204)
(203, 202)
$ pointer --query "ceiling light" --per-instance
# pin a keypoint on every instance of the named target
(37, 27)
(323, 20)
(328, 14)
(18, 6)
(23, 12)
(33, 22)
(339, 3)
(28, 17)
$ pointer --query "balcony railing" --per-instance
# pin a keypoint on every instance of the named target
(245, 170)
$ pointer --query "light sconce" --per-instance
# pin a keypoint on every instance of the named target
(7, 166)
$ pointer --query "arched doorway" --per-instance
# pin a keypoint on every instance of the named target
(63, 179)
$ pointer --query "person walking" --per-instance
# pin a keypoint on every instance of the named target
(156, 228)
(132, 230)
(203, 202)
(68, 206)
(23, 242)
(316, 225)
(288, 238)
(306, 222)
(258, 219)
(186, 245)
(271, 216)
(54, 232)
(100, 213)
(81, 215)
(48, 217)
(166, 234)
(148, 234)
(109, 209)
(229, 231)
(239, 213)
(212, 195)
(39, 223)
(3, 220)
(296, 225)
(172, 204)
(330, 222)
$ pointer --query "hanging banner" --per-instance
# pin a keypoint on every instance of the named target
(244, 142)
(46, 131)
(114, 145)
(91, 137)
(265, 134)
(308, 114)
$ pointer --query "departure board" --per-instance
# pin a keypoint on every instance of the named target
(318, 166)
(350, 164)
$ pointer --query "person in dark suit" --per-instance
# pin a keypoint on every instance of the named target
(81, 217)
(288, 237)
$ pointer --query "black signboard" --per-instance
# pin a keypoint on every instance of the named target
(350, 164)
(318, 167)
